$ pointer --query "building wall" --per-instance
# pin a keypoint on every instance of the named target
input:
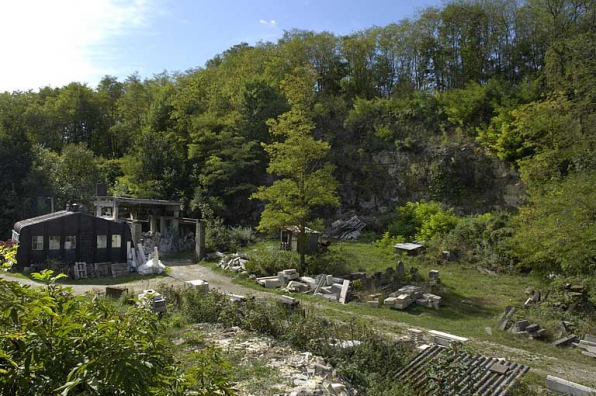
(85, 229)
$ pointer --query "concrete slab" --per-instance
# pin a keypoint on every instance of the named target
(560, 385)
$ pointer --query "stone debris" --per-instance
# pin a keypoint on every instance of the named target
(408, 295)
(565, 341)
(234, 262)
(198, 284)
(152, 300)
(589, 345)
(486, 271)
(349, 230)
(303, 373)
(560, 385)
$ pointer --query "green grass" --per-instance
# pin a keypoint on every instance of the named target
(471, 302)
(105, 281)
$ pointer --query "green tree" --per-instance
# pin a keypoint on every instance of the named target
(305, 180)
(556, 231)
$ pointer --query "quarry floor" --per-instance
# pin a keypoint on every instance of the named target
(563, 364)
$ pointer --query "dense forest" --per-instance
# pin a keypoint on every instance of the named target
(479, 105)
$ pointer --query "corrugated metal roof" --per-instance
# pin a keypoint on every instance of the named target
(467, 373)
(40, 219)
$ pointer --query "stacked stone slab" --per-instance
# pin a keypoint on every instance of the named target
(429, 300)
(287, 275)
(269, 282)
(198, 284)
(589, 346)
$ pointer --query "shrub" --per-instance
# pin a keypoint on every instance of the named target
(330, 262)
(271, 261)
(219, 237)
(423, 221)
(55, 342)
(241, 236)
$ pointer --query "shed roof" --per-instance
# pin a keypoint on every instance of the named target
(486, 376)
(296, 229)
(40, 219)
(408, 246)
(141, 201)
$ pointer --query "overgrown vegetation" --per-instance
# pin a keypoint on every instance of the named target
(53, 342)
(369, 364)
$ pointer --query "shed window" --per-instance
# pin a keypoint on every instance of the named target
(54, 243)
(116, 241)
(37, 242)
(70, 242)
(102, 241)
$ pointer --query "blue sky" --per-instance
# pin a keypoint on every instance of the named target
(55, 42)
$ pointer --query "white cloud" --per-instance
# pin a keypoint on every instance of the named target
(56, 42)
(271, 22)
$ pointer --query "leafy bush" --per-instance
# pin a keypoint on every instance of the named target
(423, 221)
(334, 262)
(55, 342)
(219, 237)
(271, 261)
(241, 236)
(482, 238)
(388, 241)
(8, 253)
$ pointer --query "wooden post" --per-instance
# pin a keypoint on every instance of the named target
(200, 240)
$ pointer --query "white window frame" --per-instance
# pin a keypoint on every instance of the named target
(68, 242)
(37, 242)
(53, 245)
(102, 241)
(116, 241)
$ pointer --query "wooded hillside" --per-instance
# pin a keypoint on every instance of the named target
(461, 104)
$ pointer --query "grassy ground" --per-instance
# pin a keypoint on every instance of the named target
(106, 281)
(471, 306)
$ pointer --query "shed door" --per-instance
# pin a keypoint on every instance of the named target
(87, 247)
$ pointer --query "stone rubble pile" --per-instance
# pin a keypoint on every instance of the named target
(305, 374)
(349, 230)
(233, 262)
(405, 297)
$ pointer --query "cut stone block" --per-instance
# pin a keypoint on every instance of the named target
(237, 298)
(447, 335)
(499, 368)
(297, 287)
(590, 338)
(198, 284)
(373, 304)
(270, 283)
(328, 297)
(343, 295)
(520, 326)
(532, 328)
(565, 340)
(390, 301)
(288, 300)
(567, 387)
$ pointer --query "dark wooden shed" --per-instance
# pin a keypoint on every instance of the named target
(70, 237)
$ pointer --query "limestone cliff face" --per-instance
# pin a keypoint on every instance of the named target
(462, 176)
